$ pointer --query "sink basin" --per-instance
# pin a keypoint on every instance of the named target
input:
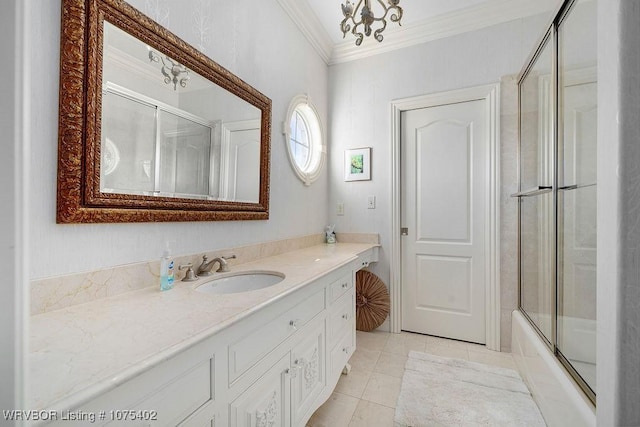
(241, 282)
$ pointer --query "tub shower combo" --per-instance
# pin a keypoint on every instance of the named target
(557, 216)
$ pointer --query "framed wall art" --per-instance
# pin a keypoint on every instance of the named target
(357, 164)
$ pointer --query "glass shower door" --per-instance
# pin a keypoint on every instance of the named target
(537, 245)
(558, 192)
(577, 191)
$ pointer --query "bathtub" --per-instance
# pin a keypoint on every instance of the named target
(560, 400)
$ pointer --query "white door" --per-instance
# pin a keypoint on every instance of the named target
(241, 168)
(444, 185)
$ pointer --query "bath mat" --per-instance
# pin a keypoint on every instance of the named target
(440, 391)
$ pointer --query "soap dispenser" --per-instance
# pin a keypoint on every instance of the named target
(166, 270)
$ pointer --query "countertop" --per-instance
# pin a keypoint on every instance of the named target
(82, 351)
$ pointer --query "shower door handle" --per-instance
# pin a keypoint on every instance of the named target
(569, 187)
(576, 186)
(533, 191)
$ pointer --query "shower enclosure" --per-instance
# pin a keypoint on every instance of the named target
(557, 193)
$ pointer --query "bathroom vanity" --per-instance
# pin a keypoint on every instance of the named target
(268, 357)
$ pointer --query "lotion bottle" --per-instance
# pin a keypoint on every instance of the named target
(166, 270)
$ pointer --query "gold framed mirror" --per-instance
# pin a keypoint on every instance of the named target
(151, 129)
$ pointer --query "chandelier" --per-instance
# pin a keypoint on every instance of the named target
(367, 18)
(171, 70)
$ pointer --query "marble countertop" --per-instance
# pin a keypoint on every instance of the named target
(82, 351)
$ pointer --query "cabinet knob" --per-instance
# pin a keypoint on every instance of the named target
(295, 324)
(345, 285)
(345, 316)
(346, 349)
(291, 372)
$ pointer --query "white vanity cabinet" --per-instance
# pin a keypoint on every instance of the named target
(289, 382)
(286, 394)
(271, 368)
(179, 391)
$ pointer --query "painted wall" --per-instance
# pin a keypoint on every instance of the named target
(618, 373)
(361, 92)
(273, 56)
(628, 410)
(13, 227)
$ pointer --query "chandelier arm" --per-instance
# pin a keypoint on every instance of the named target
(346, 26)
(153, 57)
(186, 78)
(166, 74)
(358, 34)
(394, 17)
(378, 33)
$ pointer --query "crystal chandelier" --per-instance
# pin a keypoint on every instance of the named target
(367, 18)
(171, 70)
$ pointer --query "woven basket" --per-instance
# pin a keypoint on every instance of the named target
(372, 301)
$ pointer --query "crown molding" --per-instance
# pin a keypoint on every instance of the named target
(304, 17)
(446, 25)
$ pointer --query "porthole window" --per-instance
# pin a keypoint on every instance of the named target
(304, 139)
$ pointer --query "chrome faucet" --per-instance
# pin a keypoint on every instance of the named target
(206, 266)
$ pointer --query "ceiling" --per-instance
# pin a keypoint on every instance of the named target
(330, 15)
(422, 21)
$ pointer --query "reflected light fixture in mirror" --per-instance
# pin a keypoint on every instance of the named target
(150, 128)
(172, 71)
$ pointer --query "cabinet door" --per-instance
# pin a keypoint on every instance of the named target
(267, 402)
(308, 371)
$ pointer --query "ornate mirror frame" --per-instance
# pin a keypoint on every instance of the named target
(79, 199)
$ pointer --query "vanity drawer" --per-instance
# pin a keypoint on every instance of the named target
(341, 319)
(340, 286)
(340, 355)
(253, 346)
(175, 401)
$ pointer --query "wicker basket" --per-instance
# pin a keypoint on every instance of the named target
(372, 301)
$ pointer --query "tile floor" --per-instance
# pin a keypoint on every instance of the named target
(367, 396)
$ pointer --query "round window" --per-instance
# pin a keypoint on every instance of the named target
(304, 139)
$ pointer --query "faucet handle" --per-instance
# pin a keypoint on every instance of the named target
(190, 276)
(223, 263)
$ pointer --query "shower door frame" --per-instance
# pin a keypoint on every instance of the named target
(550, 35)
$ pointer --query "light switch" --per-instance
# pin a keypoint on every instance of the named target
(340, 208)
(371, 202)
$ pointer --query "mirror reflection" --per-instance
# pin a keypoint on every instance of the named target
(167, 131)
